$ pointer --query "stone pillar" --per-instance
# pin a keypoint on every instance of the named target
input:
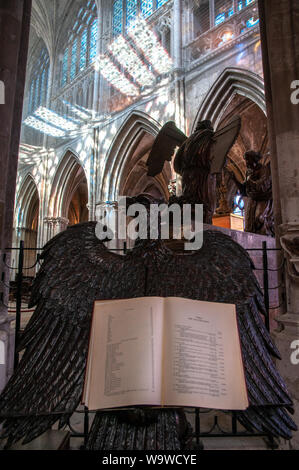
(212, 13)
(96, 89)
(177, 60)
(14, 34)
(280, 45)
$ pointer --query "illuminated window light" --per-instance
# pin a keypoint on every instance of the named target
(128, 58)
(240, 6)
(55, 119)
(131, 11)
(83, 51)
(117, 17)
(147, 7)
(41, 126)
(219, 18)
(65, 67)
(93, 40)
(147, 41)
(227, 36)
(160, 3)
(230, 12)
(252, 22)
(115, 77)
(249, 1)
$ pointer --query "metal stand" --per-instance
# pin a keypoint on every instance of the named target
(198, 434)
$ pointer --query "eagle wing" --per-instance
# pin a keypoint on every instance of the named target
(164, 146)
(77, 269)
(222, 271)
(47, 385)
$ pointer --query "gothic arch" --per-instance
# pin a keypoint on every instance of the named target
(68, 180)
(232, 81)
(27, 216)
(27, 203)
(238, 92)
(125, 168)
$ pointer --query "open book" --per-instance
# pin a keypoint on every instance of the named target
(164, 352)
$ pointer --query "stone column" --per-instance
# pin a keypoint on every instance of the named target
(54, 225)
(14, 34)
(96, 90)
(212, 13)
(280, 45)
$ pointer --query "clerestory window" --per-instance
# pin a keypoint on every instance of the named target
(125, 11)
(39, 82)
(81, 48)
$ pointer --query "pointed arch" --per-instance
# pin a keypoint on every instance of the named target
(241, 92)
(27, 221)
(27, 203)
(232, 81)
(69, 177)
(125, 168)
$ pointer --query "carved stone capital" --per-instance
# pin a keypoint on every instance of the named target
(164, 24)
(289, 240)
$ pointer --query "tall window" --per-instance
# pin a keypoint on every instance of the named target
(147, 8)
(131, 11)
(117, 17)
(39, 82)
(124, 11)
(65, 66)
(225, 9)
(93, 40)
(81, 49)
(73, 60)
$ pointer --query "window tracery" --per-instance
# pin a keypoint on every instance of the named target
(81, 48)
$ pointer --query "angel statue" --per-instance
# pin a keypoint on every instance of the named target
(257, 188)
(199, 158)
(78, 268)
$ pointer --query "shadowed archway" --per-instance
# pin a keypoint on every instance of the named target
(125, 171)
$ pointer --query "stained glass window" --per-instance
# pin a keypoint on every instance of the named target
(65, 67)
(147, 7)
(44, 85)
(30, 105)
(131, 11)
(219, 18)
(36, 93)
(83, 50)
(223, 9)
(73, 60)
(238, 206)
(117, 17)
(160, 3)
(39, 82)
(82, 43)
(93, 40)
(252, 22)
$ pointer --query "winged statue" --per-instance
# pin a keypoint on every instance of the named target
(198, 160)
(77, 269)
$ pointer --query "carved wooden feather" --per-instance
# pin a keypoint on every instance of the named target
(77, 269)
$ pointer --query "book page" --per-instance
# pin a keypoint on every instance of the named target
(202, 356)
(125, 364)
